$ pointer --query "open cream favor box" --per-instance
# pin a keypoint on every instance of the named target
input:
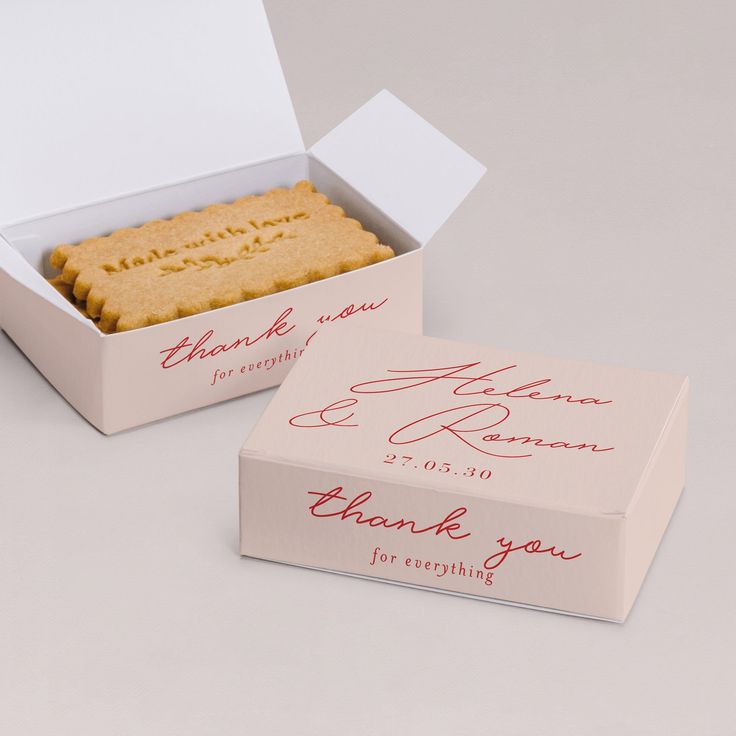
(384, 165)
(471, 470)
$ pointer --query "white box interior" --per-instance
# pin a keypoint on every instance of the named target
(35, 239)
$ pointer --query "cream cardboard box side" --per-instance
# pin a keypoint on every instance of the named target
(484, 472)
(384, 164)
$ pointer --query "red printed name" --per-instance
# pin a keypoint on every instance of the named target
(471, 424)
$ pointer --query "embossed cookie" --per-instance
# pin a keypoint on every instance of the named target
(219, 256)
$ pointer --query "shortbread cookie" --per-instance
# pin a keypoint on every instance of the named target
(222, 255)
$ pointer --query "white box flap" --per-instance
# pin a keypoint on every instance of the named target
(21, 271)
(414, 173)
(179, 89)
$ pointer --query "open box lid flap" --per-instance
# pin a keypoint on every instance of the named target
(20, 270)
(410, 170)
(89, 115)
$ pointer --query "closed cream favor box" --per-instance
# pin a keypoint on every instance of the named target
(384, 165)
(467, 469)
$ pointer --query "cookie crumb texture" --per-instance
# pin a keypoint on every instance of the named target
(221, 255)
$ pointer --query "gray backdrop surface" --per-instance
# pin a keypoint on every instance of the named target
(604, 230)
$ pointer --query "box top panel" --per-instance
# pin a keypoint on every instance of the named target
(483, 421)
(89, 114)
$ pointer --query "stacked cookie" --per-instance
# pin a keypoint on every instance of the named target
(222, 255)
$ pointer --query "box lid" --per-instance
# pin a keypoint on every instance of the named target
(404, 165)
(482, 421)
(176, 91)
